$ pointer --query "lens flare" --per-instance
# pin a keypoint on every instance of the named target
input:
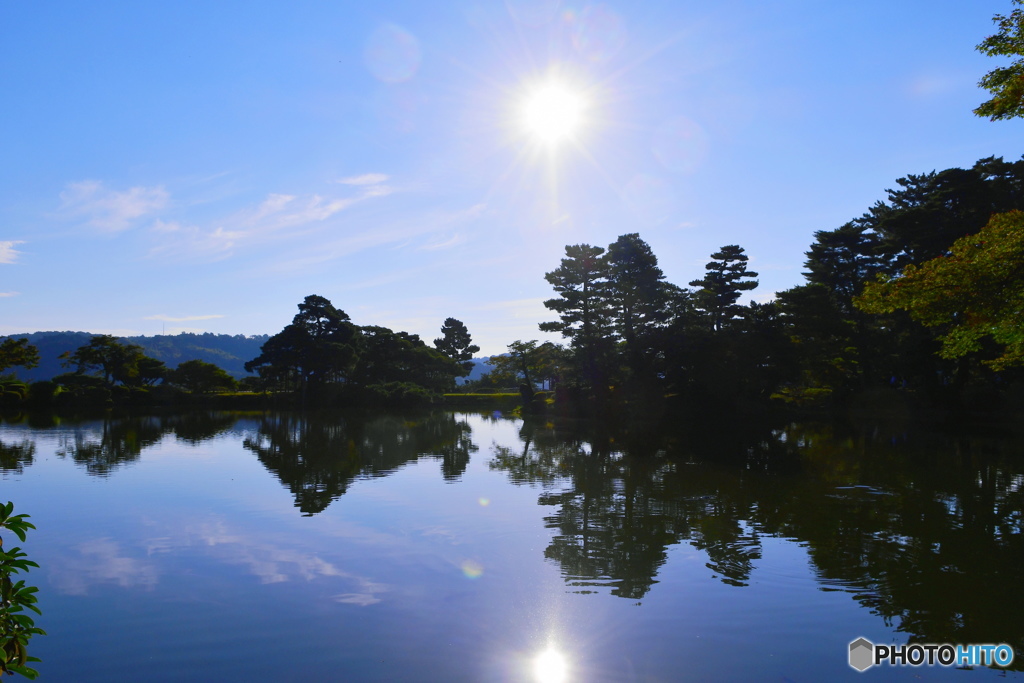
(472, 570)
(392, 54)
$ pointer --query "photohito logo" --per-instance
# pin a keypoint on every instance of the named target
(864, 654)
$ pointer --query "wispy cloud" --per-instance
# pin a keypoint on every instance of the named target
(110, 210)
(193, 242)
(285, 211)
(277, 217)
(6, 294)
(397, 233)
(365, 179)
(187, 318)
(8, 254)
(437, 244)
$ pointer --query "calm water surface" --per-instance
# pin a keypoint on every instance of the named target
(462, 547)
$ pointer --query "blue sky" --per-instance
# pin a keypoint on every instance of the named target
(204, 166)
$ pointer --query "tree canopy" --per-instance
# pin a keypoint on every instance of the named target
(323, 355)
(318, 346)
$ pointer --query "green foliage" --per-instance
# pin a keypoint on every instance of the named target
(18, 352)
(1006, 84)
(200, 377)
(975, 293)
(16, 627)
(456, 343)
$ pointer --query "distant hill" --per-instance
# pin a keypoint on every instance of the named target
(481, 366)
(230, 352)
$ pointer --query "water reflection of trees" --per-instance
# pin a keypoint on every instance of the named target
(316, 457)
(101, 448)
(15, 457)
(928, 532)
(627, 501)
(118, 443)
(931, 537)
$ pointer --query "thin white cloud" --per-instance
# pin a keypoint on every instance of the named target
(110, 210)
(281, 211)
(193, 242)
(360, 239)
(365, 179)
(8, 254)
(6, 294)
(187, 318)
(277, 217)
(452, 241)
(273, 204)
(377, 191)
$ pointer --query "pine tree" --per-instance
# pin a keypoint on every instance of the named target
(726, 277)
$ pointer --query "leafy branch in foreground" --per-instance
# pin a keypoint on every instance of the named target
(1006, 83)
(975, 292)
(16, 627)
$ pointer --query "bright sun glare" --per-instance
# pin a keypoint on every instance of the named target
(553, 112)
(550, 667)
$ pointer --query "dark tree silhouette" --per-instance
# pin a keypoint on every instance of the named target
(719, 290)
(456, 343)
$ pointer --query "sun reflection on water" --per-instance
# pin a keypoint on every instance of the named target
(550, 666)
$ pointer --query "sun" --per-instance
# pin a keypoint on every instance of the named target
(554, 112)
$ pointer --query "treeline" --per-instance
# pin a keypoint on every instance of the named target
(227, 351)
(919, 301)
(922, 295)
(104, 372)
(320, 359)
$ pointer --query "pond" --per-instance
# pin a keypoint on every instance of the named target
(479, 547)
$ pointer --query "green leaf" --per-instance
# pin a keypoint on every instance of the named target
(25, 671)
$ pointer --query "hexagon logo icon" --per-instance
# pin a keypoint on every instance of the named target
(862, 654)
